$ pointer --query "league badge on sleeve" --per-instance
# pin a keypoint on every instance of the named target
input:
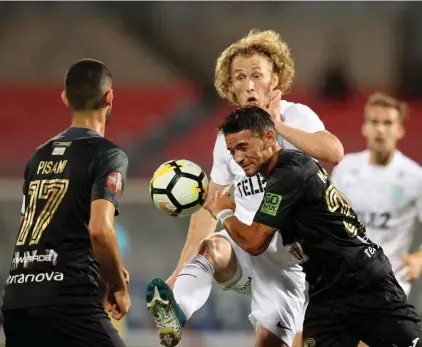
(271, 203)
(114, 182)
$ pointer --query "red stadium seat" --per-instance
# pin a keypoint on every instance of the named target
(31, 115)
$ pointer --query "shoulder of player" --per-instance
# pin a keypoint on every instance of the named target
(107, 151)
(38, 151)
(220, 141)
(220, 147)
(409, 165)
(292, 160)
(288, 108)
(351, 159)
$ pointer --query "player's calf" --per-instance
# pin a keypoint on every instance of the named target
(193, 285)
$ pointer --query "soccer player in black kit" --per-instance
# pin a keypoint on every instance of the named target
(354, 295)
(66, 242)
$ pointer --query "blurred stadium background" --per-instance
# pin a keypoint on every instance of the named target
(162, 56)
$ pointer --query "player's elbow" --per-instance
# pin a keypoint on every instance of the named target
(337, 154)
(255, 247)
(99, 231)
(253, 250)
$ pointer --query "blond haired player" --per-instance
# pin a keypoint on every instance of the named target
(257, 70)
(385, 187)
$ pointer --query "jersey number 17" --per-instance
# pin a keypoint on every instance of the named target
(47, 193)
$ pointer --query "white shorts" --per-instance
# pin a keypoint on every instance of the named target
(278, 292)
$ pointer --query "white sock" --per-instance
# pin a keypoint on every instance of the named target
(193, 285)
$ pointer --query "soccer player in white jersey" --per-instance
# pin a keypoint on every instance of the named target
(256, 70)
(385, 187)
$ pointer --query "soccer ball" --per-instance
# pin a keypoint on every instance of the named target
(179, 188)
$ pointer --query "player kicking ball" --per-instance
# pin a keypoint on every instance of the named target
(353, 294)
(255, 71)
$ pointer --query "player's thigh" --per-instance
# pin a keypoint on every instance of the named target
(322, 328)
(278, 300)
(82, 326)
(239, 276)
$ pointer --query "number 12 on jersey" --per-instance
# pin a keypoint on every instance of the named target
(47, 193)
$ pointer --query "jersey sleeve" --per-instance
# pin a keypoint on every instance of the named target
(302, 117)
(220, 172)
(109, 177)
(284, 190)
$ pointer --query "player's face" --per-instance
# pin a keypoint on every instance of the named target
(253, 80)
(382, 129)
(249, 150)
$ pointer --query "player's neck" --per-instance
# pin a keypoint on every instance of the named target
(88, 120)
(380, 159)
(269, 165)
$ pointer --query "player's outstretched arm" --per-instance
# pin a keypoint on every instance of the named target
(202, 224)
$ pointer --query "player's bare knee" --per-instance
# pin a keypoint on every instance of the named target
(218, 251)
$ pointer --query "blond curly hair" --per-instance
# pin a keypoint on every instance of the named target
(266, 43)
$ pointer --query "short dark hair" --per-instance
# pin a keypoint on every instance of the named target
(86, 84)
(253, 118)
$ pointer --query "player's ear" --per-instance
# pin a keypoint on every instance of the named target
(109, 97)
(271, 137)
(64, 99)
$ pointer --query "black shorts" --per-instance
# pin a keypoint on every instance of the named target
(378, 315)
(60, 326)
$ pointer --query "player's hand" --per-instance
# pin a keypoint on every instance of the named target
(120, 304)
(413, 264)
(274, 107)
(109, 294)
(219, 202)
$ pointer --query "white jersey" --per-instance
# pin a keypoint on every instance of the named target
(249, 191)
(387, 199)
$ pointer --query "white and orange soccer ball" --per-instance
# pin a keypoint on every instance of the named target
(179, 188)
